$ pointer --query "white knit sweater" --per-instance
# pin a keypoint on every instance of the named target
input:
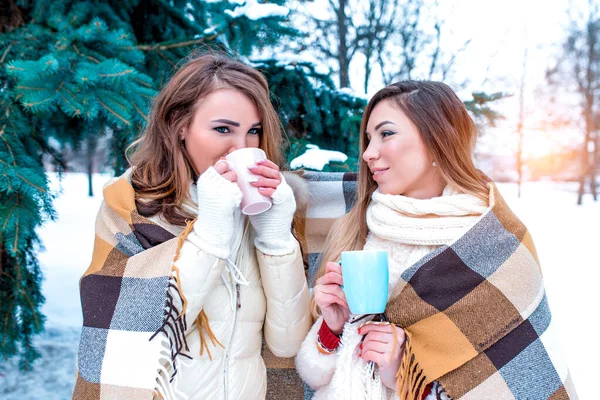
(408, 229)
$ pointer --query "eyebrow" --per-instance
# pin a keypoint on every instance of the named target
(379, 125)
(233, 123)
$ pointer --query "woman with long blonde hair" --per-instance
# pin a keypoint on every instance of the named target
(182, 285)
(457, 315)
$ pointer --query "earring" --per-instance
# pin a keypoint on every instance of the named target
(434, 164)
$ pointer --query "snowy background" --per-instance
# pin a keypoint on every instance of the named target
(566, 237)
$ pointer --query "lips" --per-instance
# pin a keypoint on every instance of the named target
(378, 172)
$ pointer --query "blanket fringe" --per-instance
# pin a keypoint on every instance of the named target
(410, 379)
(204, 327)
(174, 323)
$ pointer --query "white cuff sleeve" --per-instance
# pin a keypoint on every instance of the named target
(217, 200)
(274, 227)
(315, 368)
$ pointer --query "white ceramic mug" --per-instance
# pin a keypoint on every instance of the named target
(252, 202)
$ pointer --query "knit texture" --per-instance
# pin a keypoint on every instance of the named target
(273, 227)
(434, 221)
(328, 339)
(219, 199)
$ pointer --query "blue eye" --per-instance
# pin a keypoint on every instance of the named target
(255, 131)
(222, 129)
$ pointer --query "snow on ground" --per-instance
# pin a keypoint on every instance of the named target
(565, 235)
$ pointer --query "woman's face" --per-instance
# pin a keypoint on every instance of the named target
(223, 121)
(397, 156)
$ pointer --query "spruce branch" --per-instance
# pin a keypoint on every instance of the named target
(5, 53)
(141, 113)
(12, 155)
(114, 113)
(126, 72)
(25, 180)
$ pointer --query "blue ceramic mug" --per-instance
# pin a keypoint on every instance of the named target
(365, 274)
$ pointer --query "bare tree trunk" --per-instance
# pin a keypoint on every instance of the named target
(367, 70)
(520, 126)
(585, 156)
(343, 60)
(594, 168)
(92, 144)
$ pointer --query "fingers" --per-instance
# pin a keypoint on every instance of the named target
(332, 289)
(330, 278)
(266, 169)
(333, 267)
(381, 348)
(266, 183)
(269, 177)
(325, 300)
(383, 327)
(376, 357)
(377, 347)
(230, 176)
(269, 164)
(266, 191)
(387, 337)
(221, 166)
(223, 169)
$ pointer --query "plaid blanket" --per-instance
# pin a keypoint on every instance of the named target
(131, 322)
(475, 312)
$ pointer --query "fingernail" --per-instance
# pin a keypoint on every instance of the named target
(261, 161)
(252, 167)
(262, 189)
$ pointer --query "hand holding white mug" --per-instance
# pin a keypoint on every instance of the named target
(269, 177)
(222, 167)
(330, 298)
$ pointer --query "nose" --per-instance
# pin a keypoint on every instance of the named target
(238, 143)
(371, 153)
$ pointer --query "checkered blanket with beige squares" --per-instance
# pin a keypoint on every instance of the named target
(475, 312)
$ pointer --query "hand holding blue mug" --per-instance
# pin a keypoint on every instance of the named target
(330, 298)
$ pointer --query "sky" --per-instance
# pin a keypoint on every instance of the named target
(499, 32)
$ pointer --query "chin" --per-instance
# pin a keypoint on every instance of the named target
(384, 189)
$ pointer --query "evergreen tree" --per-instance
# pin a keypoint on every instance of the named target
(70, 70)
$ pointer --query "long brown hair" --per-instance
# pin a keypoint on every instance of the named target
(449, 134)
(162, 171)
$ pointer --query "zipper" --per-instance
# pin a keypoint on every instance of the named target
(227, 349)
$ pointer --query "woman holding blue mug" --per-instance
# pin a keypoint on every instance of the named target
(465, 293)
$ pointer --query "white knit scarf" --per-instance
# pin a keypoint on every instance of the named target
(434, 221)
